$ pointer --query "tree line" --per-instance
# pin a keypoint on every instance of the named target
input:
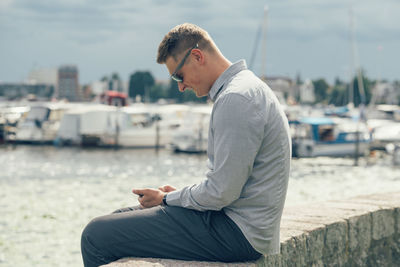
(143, 85)
(340, 92)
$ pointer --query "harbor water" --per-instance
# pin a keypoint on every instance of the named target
(49, 194)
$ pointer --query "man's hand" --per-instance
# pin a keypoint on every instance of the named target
(167, 188)
(149, 197)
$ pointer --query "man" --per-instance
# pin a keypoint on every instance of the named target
(234, 214)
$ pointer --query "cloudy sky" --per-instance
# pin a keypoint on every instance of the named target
(310, 37)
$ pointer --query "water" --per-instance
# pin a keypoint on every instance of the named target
(49, 194)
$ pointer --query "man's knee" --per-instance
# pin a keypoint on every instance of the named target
(94, 230)
(93, 242)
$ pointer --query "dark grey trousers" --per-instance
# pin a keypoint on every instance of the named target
(164, 232)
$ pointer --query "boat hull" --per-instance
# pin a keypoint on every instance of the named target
(311, 149)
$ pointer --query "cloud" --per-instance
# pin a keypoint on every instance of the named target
(308, 20)
(125, 28)
(290, 20)
(72, 18)
(6, 3)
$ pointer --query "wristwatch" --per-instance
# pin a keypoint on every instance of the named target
(164, 200)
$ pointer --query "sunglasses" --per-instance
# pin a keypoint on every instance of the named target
(175, 76)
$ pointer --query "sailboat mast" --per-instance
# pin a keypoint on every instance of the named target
(264, 46)
(355, 65)
(352, 57)
(361, 91)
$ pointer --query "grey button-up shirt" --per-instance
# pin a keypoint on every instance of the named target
(249, 151)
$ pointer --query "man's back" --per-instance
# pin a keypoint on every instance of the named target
(249, 121)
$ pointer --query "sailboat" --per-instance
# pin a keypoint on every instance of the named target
(335, 136)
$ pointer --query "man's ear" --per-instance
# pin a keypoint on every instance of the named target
(198, 55)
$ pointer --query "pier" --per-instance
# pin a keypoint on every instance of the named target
(359, 231)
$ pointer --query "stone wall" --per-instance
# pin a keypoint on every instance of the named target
(361, 231)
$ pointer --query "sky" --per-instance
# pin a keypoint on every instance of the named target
(310, 38)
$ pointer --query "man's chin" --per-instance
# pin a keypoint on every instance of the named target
(198, 94)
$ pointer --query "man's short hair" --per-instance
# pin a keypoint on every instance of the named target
(181, 38)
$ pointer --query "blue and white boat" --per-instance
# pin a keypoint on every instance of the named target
(333, 137)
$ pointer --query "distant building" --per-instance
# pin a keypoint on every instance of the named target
(68, 84)
(118, 85)
(47, 76)
(284, 87)
(115, 84)
(307, 95)
(99, 87)
(12, 91)
(386, 93)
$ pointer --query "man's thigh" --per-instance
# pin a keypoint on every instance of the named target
(168, 232)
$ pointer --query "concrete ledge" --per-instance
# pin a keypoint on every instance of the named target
(153, 262)
(360, 231)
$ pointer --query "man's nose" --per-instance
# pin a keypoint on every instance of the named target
(181, 87)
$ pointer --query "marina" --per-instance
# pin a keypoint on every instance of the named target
(342, 131)
(90, 124)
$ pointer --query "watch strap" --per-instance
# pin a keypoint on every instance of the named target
(164, 200)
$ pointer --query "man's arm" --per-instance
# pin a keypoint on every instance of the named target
(237, 133)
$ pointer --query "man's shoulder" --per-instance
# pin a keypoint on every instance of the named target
(244, 93)
(246, 79)
(246, 85)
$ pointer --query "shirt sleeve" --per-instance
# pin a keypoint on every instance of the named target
(237, 131)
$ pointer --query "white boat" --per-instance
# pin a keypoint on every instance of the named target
(9, 118)
(192, 136)
(99, 126)
(41, 124)
(172, 115)
(69, 132)
(396, 155)
(150, 125)
(384, 124)
(137, 126)
(140, 128)
(333, 137)
(384, 132)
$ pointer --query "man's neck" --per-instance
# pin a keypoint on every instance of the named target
(220, 65)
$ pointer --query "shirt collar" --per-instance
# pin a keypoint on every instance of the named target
(225, 77)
